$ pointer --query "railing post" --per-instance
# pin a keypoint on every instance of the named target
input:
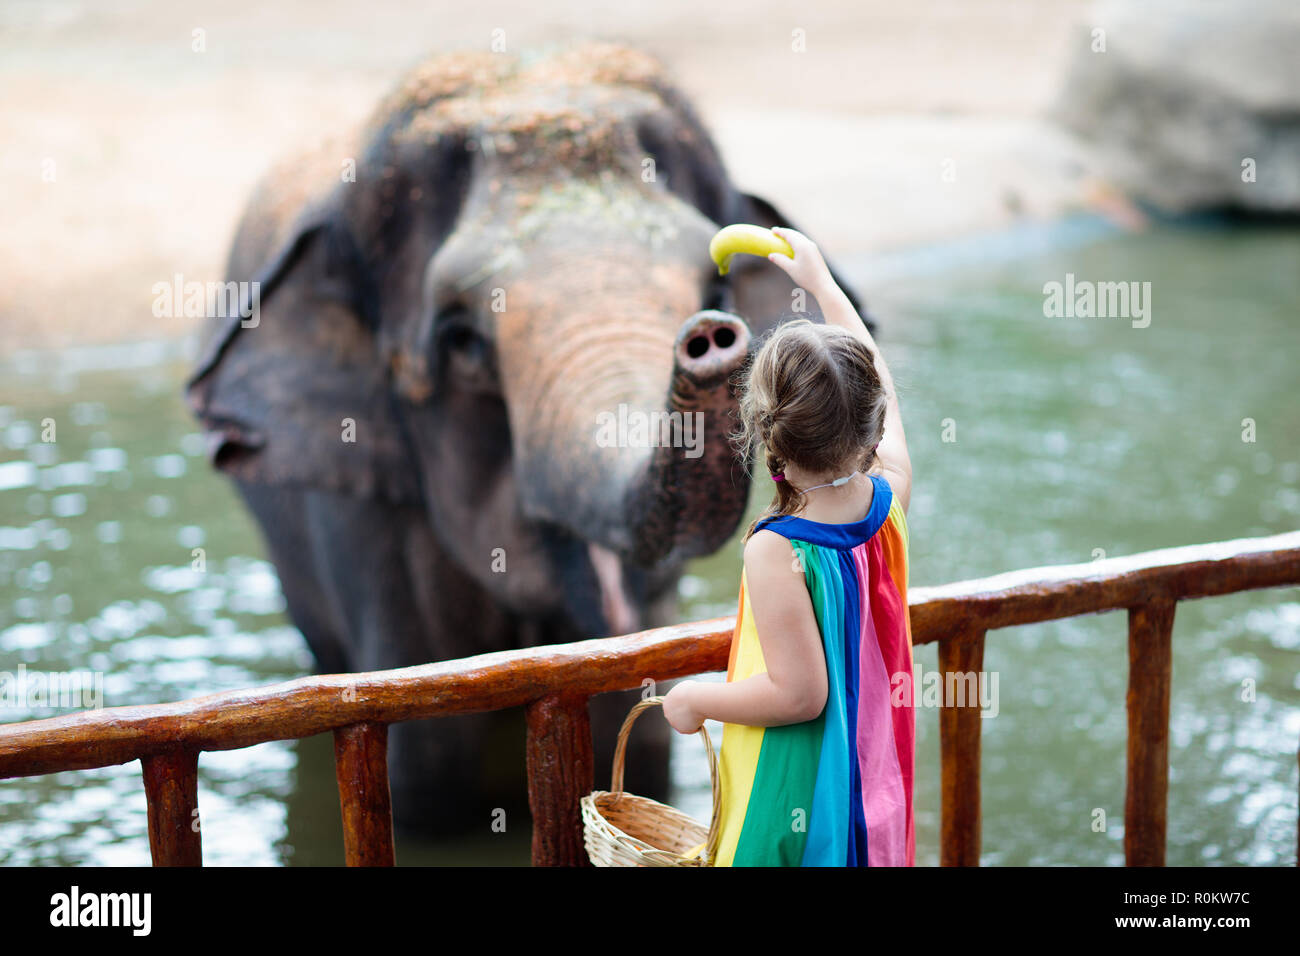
(171, 790)
(959, 749)
(560, 773)
(1150, 664)
(361, 763)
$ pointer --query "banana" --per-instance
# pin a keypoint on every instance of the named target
(742, 237)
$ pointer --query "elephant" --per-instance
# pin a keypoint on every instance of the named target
(449, 301)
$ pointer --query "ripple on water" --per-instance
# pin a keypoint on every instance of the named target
(17, 474)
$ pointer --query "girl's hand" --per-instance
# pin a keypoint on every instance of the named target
(807, 269)
(679, 708)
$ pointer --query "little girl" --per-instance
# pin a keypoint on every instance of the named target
(818, 743)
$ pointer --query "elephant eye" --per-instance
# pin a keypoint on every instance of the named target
(454, 330)
(466, 356)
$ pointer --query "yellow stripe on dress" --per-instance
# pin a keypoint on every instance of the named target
(738, 760)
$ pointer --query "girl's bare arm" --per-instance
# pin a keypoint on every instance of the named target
(794, 687)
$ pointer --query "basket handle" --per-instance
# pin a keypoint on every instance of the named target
(616, 786)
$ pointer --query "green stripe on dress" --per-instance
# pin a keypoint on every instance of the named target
(781, 801)
(785, 778)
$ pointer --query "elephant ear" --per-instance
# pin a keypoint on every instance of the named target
(762, 293)
(292, 389)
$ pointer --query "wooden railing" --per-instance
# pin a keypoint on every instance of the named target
(554, 683)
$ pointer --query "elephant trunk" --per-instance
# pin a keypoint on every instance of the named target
(620, 429)
(693, 491)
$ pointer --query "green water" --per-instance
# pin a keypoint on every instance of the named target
(1034, 440)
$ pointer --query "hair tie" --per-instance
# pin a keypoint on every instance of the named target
(779, 476)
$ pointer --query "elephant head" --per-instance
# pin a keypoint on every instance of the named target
(495, 302)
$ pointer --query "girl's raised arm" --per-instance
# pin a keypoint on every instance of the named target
(809, 271)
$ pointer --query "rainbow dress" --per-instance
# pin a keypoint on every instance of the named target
(836, 790)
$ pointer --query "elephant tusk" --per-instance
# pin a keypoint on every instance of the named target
(620, 616)
(742, 237)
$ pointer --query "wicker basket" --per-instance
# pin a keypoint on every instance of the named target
(621, 829)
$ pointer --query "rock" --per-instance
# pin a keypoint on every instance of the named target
(1190, 106)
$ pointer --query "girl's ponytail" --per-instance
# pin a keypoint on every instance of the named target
(810, 396)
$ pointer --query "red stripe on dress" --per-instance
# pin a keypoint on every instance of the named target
(884, 800)
(889, 614)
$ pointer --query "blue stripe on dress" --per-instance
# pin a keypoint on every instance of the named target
(842, 536)
(828, 821)
(857, 838)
